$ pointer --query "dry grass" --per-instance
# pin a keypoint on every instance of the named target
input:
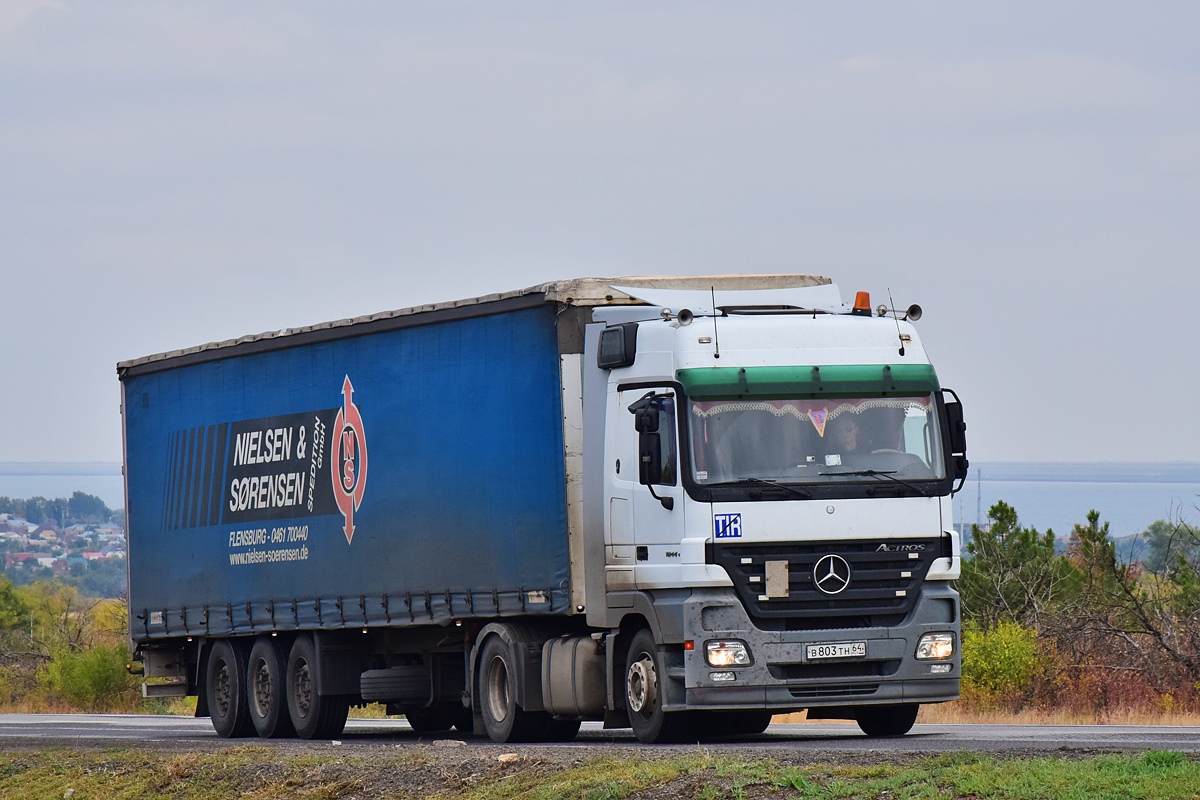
(252, 771)
(960, 714)
(957, 713)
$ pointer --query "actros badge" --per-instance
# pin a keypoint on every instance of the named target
(349, 463)
(831, 574)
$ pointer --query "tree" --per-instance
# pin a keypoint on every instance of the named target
(56, 512)
(12, 609)
(87, 508)
(35, 509)
(1013, 573)
(1141, 616)
(1170, 541)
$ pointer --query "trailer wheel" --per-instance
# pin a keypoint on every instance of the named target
(504, 720)
(887, 720)
(266, 690)
(314, 716)
(225, 688)
(644, 696)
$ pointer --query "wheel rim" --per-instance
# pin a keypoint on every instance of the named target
(641, 686)
(497, 689)
(222, 691)
(262, 688)
(303, 689)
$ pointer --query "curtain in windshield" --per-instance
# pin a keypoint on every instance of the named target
(812, 440)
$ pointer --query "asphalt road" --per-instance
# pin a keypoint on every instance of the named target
(109, 730)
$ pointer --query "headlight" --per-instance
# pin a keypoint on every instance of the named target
(935, 646)
(727, 654)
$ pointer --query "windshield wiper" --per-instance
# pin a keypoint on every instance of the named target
(884, 473)
(765, 482)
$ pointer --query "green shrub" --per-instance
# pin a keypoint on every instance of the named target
(91, 679)
(999, 664)
(12, 610)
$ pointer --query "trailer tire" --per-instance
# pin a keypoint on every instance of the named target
(266, 690)
(644, 696)
(887, 720)
(225, 689)
(399, 685)
(313, 715)
(503, 719)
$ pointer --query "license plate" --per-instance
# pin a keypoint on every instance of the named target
(835, 650)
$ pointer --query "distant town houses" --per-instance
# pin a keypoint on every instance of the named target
(36, 546)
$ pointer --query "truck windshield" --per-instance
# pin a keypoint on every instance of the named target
(815, 441)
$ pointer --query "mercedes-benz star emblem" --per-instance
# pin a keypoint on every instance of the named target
(831, 574)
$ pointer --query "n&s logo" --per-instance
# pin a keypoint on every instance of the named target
(349, 461)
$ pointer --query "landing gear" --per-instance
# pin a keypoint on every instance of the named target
(887, 720)
(314, 716)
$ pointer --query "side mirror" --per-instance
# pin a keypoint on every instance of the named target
(618, 346)
(650, 462)
(957, 428)
(649, 458)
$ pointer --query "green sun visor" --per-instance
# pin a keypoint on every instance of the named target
(856, 380)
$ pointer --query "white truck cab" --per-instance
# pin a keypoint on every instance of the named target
(778, 469)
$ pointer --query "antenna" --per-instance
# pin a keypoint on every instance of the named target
(979, 498)
(716, 339)
(897, 319)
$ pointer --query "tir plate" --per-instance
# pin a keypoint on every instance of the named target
(835, 651)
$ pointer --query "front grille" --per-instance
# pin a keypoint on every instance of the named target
(834, 690)
(852, 669)
(879, 594)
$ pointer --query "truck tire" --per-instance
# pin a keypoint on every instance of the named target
(503, 719)
(225, 688)
(887, 720)
(562, 730)
(314, 716)
(738, 723)
(266, 690)
(644, 697)
(437, 719)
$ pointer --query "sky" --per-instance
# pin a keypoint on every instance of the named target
(1028, 172)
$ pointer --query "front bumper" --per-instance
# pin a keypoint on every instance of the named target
(781, 678)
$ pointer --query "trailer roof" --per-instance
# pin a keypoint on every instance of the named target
(570, 292)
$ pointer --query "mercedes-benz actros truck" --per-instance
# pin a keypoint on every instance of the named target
(679, 505)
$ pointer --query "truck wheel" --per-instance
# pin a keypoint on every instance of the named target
(434, 720)
(225, 686)
(739, 723)
(314, 716)
(887, 720)
(644, 697)
(266, 693)
(504, 720)
(562, 730)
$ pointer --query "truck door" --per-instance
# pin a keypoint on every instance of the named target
(651, 429)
